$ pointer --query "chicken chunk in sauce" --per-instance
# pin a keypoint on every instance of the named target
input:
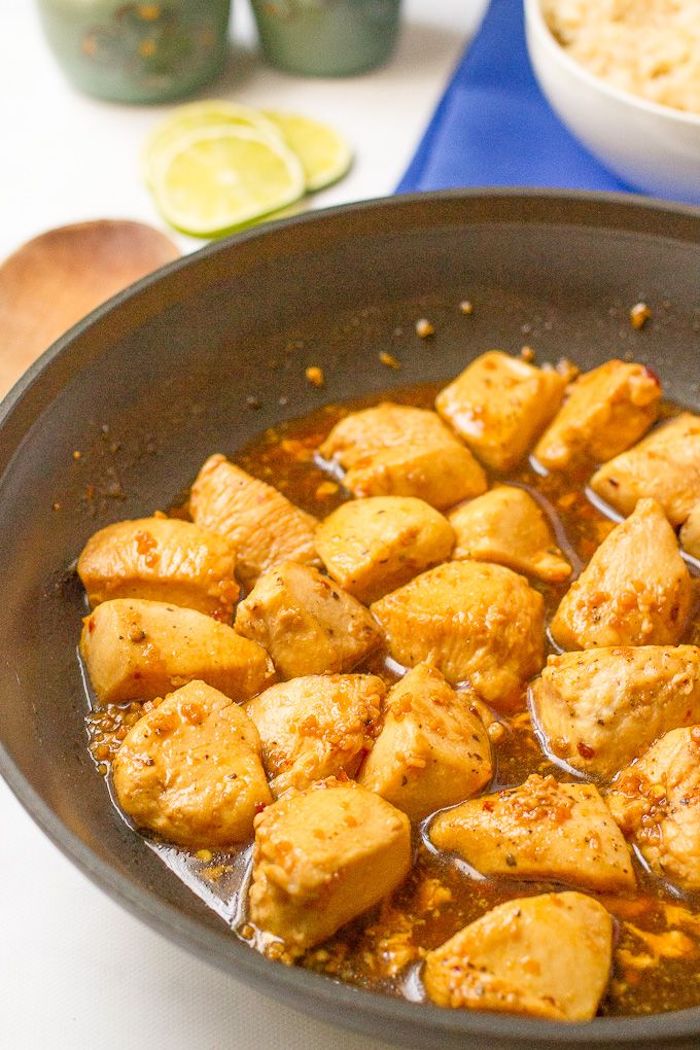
(665, 467)
(398, 450)
(605, 412)
(636, 589)
(548, 956)
(372, 546)
(261, 523)
(600, 708)
(161, 559)
(190, 770)
(306, 622)
(135, 649)
(321, 858)
(690, 533)
(477, 623)
(499, 405)
(541, 830)
(316, 726)
(433, 749)
(656, 802)
(507, 526)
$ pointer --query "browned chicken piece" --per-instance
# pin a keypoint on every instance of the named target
(261, 523)
(322, 857)
(665, 466)
(606, 411)
(306, 622)
(316, 727)
(507, 526)
(372, 546)
(599, 709)
(499, 405)
(190, 770)
(541, 830)
(656, 802)
(138, 650)
(432, 750)
(690, 533)
(636, 589)
(548, 956)
(161, 559)
(398, 450)
(475, 622)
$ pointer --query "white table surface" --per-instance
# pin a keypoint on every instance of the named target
(66, 158)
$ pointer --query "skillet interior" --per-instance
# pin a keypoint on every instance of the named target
(152, 383)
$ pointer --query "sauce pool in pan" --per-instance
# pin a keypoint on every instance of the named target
(657, 951)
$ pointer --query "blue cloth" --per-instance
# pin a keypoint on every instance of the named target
(494, 127)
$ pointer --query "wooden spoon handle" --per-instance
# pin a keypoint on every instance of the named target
(60, 276)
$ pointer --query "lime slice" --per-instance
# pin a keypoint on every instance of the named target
(324, 154)
(202, 114)
(209, 180)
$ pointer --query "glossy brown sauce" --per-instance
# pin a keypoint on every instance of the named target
(657, 954)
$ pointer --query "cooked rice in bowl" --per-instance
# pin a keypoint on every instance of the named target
(650, 48)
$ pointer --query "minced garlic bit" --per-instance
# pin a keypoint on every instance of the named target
(496, 732)
(389, 360)
(639, 315)
(77, 454)
(326, 488)
(315, 375)
(527, 353)
(424, 329)
(466, 307)
(204, 855)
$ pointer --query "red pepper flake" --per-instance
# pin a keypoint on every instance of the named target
(584, 750)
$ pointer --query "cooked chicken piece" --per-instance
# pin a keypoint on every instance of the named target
(665, 466)
(135, 649)
(690, 533)
(540, 830)
(499, 405)
(636, 589)
(606, 411)
(190, 770)
(261, 523)
(322, 857)
(372, 546)
(656, 802)
(306, 622)
(161, 559)
(361, 435)
(547, 956)
(599, 709)
(475, 622)
(432, 751)
(507, 526)
(397, 450)
(317, 726)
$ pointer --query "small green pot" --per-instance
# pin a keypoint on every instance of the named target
(138, 52)
(327, 38)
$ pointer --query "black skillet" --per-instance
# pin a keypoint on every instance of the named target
(208, 352)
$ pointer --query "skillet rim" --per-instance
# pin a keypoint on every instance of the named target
(359, 1009)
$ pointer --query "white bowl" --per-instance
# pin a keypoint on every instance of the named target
(654, 148)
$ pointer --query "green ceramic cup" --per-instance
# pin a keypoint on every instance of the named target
(138, 52)
(327, 38)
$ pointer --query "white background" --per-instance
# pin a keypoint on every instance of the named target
(75, 970)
